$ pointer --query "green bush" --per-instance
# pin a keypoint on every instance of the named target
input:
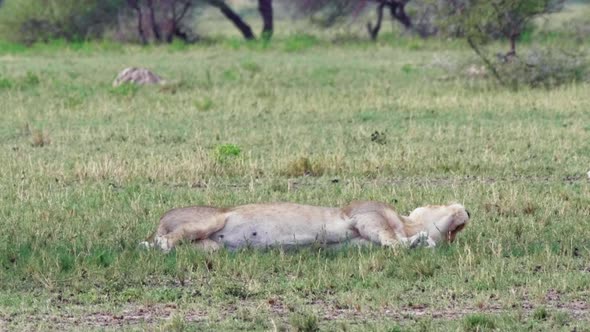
(546, 68)
(226, 151)
(27, 21)
(579, 27)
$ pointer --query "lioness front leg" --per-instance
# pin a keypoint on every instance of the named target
(375, 228)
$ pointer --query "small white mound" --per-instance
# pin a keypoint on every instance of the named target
(133, 75)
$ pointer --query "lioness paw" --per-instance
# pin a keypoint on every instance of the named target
(162, 243)
(430, 242)
(389, 243)
(404, 241)
(146, 245)
(421, 240)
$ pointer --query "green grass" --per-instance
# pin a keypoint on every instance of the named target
(87, 170)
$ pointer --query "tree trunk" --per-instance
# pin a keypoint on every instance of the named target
(142, 36)
(265, 9)
(374, 31)
(512, 46)
(171, 30)
(135, 5)
(398, 11)
(234, 18)
(153, 22)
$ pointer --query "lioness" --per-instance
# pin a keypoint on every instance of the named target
(288, 225)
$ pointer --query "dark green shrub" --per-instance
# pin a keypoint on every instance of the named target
(545, 68)
(28, 21)
(226, 151)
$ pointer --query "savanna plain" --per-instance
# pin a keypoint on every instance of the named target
(87, 169)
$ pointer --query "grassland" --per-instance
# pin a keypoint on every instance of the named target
(87, 170)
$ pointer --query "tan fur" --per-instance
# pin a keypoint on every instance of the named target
(288, 224)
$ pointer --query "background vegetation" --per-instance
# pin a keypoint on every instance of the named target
(316, 117)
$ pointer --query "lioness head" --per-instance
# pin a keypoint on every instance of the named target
(441, 222)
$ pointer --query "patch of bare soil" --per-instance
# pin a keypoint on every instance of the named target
(134, 315)
(577, 309)
(131, 315)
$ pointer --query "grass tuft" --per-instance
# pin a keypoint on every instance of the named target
(541, 313)
(40, 138)
(125, 90)
(299, 42)
(204, 104)
(224, 152)
(303, 166)
(304, 322)
(479, 323)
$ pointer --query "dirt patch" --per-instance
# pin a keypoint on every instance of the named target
(137, 315)
(129, 316)
(576, 309)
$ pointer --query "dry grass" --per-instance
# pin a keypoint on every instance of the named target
(304, 124)
(39, 138)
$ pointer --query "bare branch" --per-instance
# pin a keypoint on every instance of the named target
(485, 59)
(185, 9)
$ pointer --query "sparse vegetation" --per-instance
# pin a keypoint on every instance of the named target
(303, 166)
(479, 323)
(39, 138)
(546, 68)
(541, 313)
(305, 322)
(88, 169)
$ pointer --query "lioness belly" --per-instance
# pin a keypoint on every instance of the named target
(287, 225)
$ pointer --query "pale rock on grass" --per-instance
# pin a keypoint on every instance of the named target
(140, 76)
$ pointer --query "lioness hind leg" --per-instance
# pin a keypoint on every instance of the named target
(197, 230)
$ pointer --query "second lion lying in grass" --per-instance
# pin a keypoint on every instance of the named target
(290, 225)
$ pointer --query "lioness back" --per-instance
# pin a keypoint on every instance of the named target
(283, 224)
